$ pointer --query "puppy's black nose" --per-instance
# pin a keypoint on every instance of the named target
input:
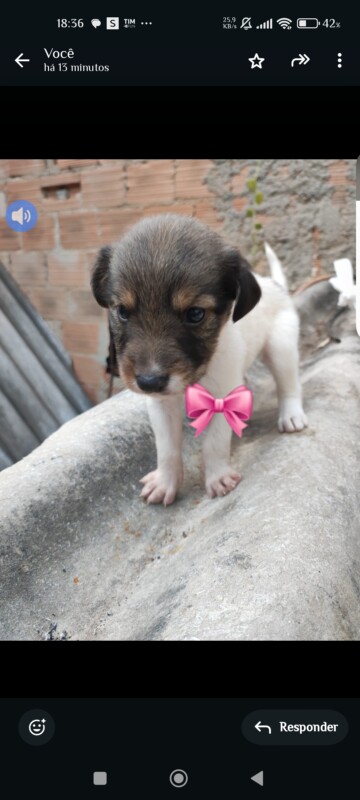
(152, 383)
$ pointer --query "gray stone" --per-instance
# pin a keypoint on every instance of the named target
(276, 559)
(306, 216)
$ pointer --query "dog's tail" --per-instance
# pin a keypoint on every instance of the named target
(276, 270)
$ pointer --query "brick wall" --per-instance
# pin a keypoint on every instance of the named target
(307, 214)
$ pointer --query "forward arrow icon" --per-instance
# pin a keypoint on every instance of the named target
(303, 59)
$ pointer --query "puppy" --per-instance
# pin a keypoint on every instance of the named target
(184, 308)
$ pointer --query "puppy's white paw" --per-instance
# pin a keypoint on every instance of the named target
(222, 481)
(160, 487)
(291, 417)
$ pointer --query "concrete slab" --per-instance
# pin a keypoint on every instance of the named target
(278, 558)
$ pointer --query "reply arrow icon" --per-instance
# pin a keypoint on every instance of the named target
(303, 59)
(259, 726)
(20, 59)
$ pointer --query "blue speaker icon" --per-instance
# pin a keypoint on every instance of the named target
(21, 215)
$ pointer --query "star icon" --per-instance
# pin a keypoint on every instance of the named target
(256, 61)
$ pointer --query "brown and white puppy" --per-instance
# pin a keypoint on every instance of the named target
(185, 307)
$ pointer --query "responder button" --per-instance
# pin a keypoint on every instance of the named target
(294, 726)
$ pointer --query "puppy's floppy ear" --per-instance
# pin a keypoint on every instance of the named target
(249, 291)
(244, 286)
(100, 279)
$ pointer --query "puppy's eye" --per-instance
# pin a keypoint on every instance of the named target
(194, 315)
(123, 314)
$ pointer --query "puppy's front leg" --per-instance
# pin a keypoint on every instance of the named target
(220, 477)
(166, 415)
(224, 374)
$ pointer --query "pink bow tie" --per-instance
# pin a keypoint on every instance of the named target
(202, 406)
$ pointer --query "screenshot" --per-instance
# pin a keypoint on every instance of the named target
(179, 400)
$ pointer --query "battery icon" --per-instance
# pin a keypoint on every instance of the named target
(308, 22)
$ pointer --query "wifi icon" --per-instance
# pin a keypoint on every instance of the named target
(284, 22)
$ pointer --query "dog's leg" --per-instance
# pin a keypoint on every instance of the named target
(281, 355)
(220, 477)
(224, 375)
(166, 415)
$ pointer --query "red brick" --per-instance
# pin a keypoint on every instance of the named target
(3, 204)
(340, 181)
(81, 337)
(189, 178)
(42, 236)
(116, 162)
(150, 182)
(240, 203)
(339, 173)
(88, 370)
(92, 392)
(65, 163)
(68, 268)
(83, 304)
(36, 190)
(79, 230)
(60, 178)
(3, 167)
(9, 239)
(61, 192)
(206, 212)
(28, 269)
(104, 187)
(24, 189)
(339, 195)
(186, 209)
(50, 303)
(113, 223)
(90, 257)
(24, 166)
(238, 182)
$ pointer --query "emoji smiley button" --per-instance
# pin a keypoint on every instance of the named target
(36, 727)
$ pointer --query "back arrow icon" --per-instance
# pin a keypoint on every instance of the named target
(259, 726)
(19, 60)
(303, 59)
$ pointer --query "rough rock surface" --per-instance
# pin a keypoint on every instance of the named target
(278, 558)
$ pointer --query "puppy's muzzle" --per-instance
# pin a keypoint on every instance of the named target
(152, 383)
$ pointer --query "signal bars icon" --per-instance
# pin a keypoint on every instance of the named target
(284, 23)
(266, 25)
